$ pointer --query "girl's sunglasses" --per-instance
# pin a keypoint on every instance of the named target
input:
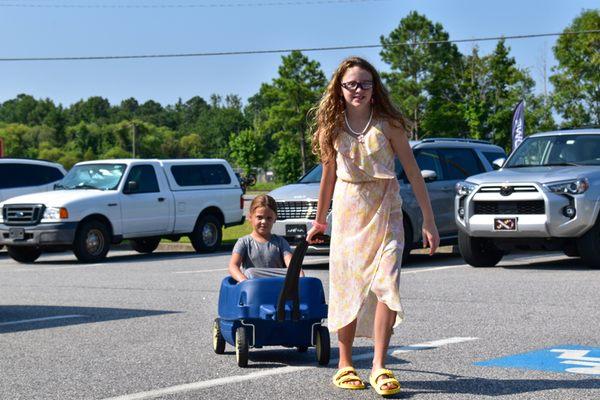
(353, 85)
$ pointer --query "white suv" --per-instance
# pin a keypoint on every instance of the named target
(19, 176)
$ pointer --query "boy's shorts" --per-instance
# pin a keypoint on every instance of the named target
(252, 273)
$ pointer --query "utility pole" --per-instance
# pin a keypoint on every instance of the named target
(133, 132)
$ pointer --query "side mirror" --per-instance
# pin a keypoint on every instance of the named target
(498, 163)
(428, 175)
(132, 187)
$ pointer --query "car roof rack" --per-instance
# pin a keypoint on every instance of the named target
(429, 140)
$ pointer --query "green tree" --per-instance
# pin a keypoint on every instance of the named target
(289, 98)
(247, 149)
(576, 78)
(287, 162)
(421, 77)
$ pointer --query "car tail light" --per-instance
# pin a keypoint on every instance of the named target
(241, 202)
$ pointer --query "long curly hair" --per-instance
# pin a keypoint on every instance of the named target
(329, 113)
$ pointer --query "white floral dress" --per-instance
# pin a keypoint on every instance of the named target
(367, 235)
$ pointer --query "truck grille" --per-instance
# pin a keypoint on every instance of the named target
(297, 209)
(22, 214)
(510, 207)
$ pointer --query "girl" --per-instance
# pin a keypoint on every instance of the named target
(260, 253)
(358, 132)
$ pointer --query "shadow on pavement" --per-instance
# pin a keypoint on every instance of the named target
(17, 318)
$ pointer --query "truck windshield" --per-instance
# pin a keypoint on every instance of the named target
(313, 176)
(93, 176)
(559, 150)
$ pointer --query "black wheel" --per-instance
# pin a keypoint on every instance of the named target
(92, 242)
(241, 347)
(207, 234)
(322, 345)
(145, 245)
(478, 252)
(25, 255)
(571, 250)
(589, 246)
(218, 340)
(302, 349)
(408, 239)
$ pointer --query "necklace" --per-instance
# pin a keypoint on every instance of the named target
(360, 135)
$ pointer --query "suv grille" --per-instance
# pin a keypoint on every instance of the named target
(297, 209)
(510, 207)
(513, 189)
(26, 214)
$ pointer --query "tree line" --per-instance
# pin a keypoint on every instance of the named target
(444, 92)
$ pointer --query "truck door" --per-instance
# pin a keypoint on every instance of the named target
(145, 209)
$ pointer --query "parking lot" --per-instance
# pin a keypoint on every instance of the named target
(139, 327)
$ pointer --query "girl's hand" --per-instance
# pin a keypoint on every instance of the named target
(311, 234)
(431, 237)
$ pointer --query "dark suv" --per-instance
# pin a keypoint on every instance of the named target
(443, 163)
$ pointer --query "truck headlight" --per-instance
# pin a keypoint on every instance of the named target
(1, 215)
(464, 188)
(576, 186)
(55, 214)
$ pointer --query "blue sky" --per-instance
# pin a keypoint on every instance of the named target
(29, 32)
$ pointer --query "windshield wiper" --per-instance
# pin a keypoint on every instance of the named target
(521, 166)
(561, 164)
(84, 186)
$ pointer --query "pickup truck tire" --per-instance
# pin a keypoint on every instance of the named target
(25, 255)
(478, 252)
(92, 242)
(589, 246)
(207, 234)
(408, 244)
(145, 245)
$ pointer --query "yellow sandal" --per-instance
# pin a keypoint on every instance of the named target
(344, 376)
(378, 386)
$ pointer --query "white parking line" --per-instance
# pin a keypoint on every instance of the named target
(188, 387)
(26, 321)
(431, 269)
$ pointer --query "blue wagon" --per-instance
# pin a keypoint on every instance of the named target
(273, 312)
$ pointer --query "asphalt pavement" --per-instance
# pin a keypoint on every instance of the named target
(139, 327)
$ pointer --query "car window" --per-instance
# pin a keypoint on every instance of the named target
(313, 176)
(13, 175)
(145, 177)
(426, 159)
(460, 163)
(200, 175)
(492, 156)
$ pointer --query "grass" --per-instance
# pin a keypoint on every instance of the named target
(230, 235)
(263, 187)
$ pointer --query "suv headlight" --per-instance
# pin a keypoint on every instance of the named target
(55, 214)
(1, 215)
(464, 188)
(576, 186)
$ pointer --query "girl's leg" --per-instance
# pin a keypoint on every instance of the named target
(345, 341)
(382, 331)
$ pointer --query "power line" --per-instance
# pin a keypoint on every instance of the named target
(188, 5)
(275, 51)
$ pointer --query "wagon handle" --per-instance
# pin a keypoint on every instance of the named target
(290, 285)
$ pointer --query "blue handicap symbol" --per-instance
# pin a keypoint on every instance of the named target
(568, 358)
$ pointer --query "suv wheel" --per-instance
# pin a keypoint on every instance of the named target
(145, 245)
(25, 255)
(408, 235)
(589, 246)
(478, 252)
(207, 234)
(92, 242)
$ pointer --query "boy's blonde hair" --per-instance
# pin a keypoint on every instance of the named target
(329, 114)
(263, 200)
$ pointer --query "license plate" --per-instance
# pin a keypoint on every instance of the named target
(505, 224)
(16, 233)
(295, 230)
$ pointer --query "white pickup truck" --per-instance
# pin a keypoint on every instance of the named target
(100, 203)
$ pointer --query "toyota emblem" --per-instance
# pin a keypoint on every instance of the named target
(506, 190)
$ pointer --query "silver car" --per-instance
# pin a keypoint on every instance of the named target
(545, 196)
(443, 163)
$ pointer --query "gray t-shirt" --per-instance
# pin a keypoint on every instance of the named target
(262, 255)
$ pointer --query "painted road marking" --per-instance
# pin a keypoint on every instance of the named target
(188, 387)
(573, 359)
(431, 269)
(26, 321)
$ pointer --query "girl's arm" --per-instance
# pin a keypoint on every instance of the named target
(325, 195)
(287, 258)
(234, 267)
(399, 141)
